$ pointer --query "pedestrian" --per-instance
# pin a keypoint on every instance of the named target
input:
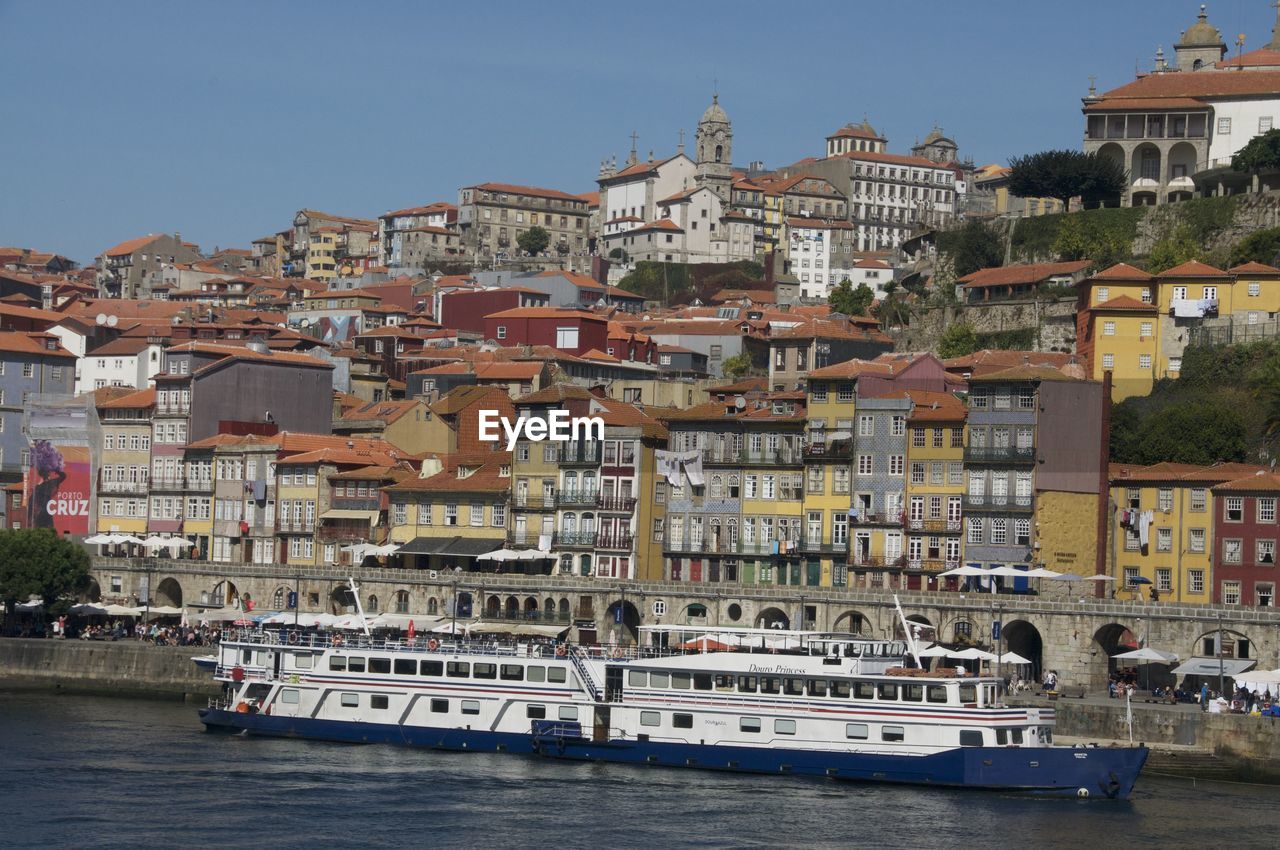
(1204, 696)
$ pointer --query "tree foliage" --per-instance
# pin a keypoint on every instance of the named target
(736, 366)
(958, 340)
(1097, 235)
(656, 281)
(1174, 250)
(893, 310)
(36, 562)
(1067, 174)
(1262, 152)
(1261, 246)
(852, 302)
(971, 247)
(534, 240)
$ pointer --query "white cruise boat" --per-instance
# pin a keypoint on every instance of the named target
(803, 703)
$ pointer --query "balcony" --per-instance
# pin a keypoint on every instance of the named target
(526, 502)
(299, 527)
(580, 454)
(817, 545)
(781, 457)
(356, 504)
(168, 485)
(856, 560)
(617, 541)
(1018, 504)
(357, 532)
(167, 409)
(577, 498)
(934, 526)
(875, 518)
(517, 540)
(931, 565)
(580, 539)
(199, 485)
(835, 450)
(999, 454)
(617, 504)
(122, 487)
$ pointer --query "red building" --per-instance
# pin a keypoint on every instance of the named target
(1244, 540)
(571, 331)
(465, 309)
(633, 347)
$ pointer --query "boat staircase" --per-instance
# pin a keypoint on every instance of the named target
(584, 674)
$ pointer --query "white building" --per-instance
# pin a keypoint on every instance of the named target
(630, 197)
(874, 273)
(129, 361)
(818, 253)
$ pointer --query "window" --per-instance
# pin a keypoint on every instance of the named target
(1255, 290)
(1164, 500)
(566, 337)
(865, 466)
(1231, 550)
(654, 718)
(1164, 579)
(1198, 499)
(440, 706)
(898, 426)
(1144, 361)
(1231, 593)
(1266, 552)
(1195, 540)
(1144, 329)
(896, 463)
(502, 331)
(470, 706)
(749, 724)
(1108, 328)
(1266, 510)
(1195, 581)
(1224, 126)
(1164, 539)
(536, 712)
(855, 731)
(892, 733)
(1235, 508)
(999, 531)
(682, 721)
(1108, 361)
(975, 529)
(1264, 123)
(866, 426)
(784, 727)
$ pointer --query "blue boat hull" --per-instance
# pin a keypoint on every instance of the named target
(1050, 771)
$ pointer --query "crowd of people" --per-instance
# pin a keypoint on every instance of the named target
(155, 633)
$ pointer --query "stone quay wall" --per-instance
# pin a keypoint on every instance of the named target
(126, 667)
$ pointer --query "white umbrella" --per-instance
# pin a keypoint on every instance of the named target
(155, 542)
(934, 652)
(450, 628)
(499, 555)
(100, 539)
(1098, 578)
(1146, 653)
(1006, 572)
(88, 609)
(386, 549)
(123, 611)
(280, 618)
(966, 570)
(1254, 678)
(973, 654)
(360, 550)
(178, 543)
(350, 622)
(1041, 572)
(165, 611)
(325, 620)
(129, 538)
(532, 554)
(1013, 658)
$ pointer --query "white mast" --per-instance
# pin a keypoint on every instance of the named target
(906, 630)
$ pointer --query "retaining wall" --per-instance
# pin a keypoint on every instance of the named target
(125, 667)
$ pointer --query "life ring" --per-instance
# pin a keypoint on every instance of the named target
(293, 638)
(237, 674)
(337, 640)
(242, 707)
(616, 652)
(560, 651)
(433, 644)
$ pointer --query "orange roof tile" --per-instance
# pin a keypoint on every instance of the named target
(532, 191)
(17, 342)
(1022, 274)
(1125, 302)
(1253, 268)
(1195, 268)
(1120, 271)
(142, 398)
(128, 247)
(545, 313)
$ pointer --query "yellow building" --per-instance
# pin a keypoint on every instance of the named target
(1174, 551)
(124, 463)
(454, 512)
(828, 464)
(322, 249)
(1123, 332)
(935, 481)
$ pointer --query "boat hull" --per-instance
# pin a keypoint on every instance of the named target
(1048, 771)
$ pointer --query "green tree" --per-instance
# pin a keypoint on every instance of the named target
(1096, 235)
(534, 240)
(1262, 153)
(958, 340)
(36, 562)
(1067, 174)
(1173, 250)
(852, 302)
(618, 254)
(663, 282)
(974, 246)
(1261, 246)
(736, 366)
(1265, 384)
(893, 309)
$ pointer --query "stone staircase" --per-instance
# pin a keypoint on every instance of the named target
(1190, 763)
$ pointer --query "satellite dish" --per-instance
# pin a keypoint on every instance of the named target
(102, 318)
(112, 321)
(306, 323)
(740, 402)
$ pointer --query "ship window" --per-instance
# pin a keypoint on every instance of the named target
(702, 681)
(913, 693)
(793, 687)
(770, 684)
(1002, 737)
(749, 724)
(887, 690)
(970, 737)
(682, 721)
(483, 670)
(659, 680)
(355, 665)
(892, 733)
(458, 669)
(337, 662)
(784, 727)
(304, 662)
(537, 712)
(568, 712)
(406, 667)
(724, 681)
(840, 688)
(1017, 736)
(379, 665)
(968, 693)
(557, 674)
(440, 706)
(535, 674)
(431, 668)
(470, 706)
(681, 681)
(747, 684)
(378, 701)
(937, 693)
(817, 687)
(855, 731)
(512, 673)
(290, 696)
(350, 700)
(637, 678)
(863, 690)
(651, 718)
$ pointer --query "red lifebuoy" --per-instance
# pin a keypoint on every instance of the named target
(237, 674)
(560, 651)
(433, 644)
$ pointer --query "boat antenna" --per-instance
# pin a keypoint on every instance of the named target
(355, 594)
(906, 630)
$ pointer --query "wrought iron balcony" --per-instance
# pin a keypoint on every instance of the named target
(577, 498)
(937, 526)
(126, 487)
(988, 503)
(168, 485)
(835, 450)
(856, 560)
(579, 454)
(585, 539)
(618, 504)
(999, 454)
(618, 542)
(526, 502)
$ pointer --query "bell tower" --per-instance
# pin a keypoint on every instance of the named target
(713, 144)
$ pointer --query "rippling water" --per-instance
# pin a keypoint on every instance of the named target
(91, 772)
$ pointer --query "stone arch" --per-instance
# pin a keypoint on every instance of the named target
(433, 605)
(773, 618)
(1234, 642)
(854, 622)
(694, 611)
(926, 630)
(628, 631)
(371, 604)
(1181, 165)
(400, 602)
(530, 607)
(492, 606)
(224, 593)
(549, 608)
(511, 610)
(1145, 167)
(279, 598)
(1024, 638)
(1113, 639)
(93, 591)
(341, 600)
(963, 629)
(169, 592)
(1113, 151)
(564, 609)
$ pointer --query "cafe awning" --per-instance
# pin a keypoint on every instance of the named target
(1206, 666)
(464, 547)
(370, 517)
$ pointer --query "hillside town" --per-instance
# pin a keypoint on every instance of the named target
(314, 399)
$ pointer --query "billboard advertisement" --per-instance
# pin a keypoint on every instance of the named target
(58, 487)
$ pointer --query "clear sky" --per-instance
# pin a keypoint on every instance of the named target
(221, 119)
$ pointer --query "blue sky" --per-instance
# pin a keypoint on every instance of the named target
(220, 120)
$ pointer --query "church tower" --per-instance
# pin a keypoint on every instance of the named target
(714, 150)
(1200, 45)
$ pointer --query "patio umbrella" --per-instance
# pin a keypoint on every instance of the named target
(973, 654)
(123, 611)
(281, 618)
(1013, 658)
(359, 550)
(966, 570)
(705, 643)
(87, 609)
(412, 633)
(499, 555)
(129, 538)
(1139, 580)
(533, 554)
(386, 549)
(1041, 572)
(176, 543)
(165, 611)
(934, 651)
(100, 539)
(1006, 572)
(155, 542)
(1148, 654)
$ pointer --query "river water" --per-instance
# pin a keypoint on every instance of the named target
(97, 772)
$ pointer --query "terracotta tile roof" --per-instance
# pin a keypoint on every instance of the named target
(638, 169)
(437, 207)
(1195, 268)
(545, 313)
(241, 352)
(556, 393)
(139, 399)
(581, 281)
(746, 385)
(1125, 302)
(1026, 373)
(342, 293)
(871, 264)
(1167, 472)
(382, 473)
(818, 223)
(460, 398)
(124, 346)
(828, 329)
(663, 224)
(855, 131)
(623, 415)
(1263, 56)
(343, 456)
(1253, 268)
(935, 407)
(683, 195)
(532, 191)
(618, 292)
(1198, 86)
(485, 479)
(890, 159)
(17, 342)
(592, 198)
(759, 296)
(1262, 482)
(1125, 104)
(126, 248)
(625, 218)
(991, 360)
(1021, 275)
(852, 369)
(598, 355)
(1120, 271)
(387, 411)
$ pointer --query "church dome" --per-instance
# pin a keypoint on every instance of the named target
(1201, 33)
(715, 112)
